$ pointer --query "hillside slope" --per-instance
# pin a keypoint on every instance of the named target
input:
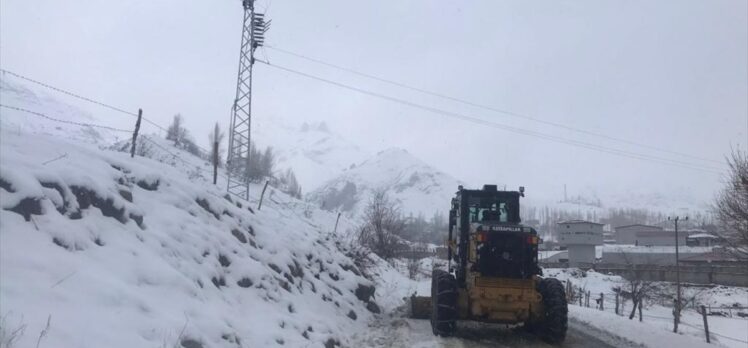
(120, 252)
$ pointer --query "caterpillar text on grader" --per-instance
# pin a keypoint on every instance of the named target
(493, 273)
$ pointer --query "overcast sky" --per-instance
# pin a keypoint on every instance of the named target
(668, 74)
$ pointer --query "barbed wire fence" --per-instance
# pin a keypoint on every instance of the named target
(141, 138)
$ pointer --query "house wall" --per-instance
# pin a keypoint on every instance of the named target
(581, 253)
(644, 258)
(662, 238)
(627, 235)
(580, 233)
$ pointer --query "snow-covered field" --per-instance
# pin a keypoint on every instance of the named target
(658, 318)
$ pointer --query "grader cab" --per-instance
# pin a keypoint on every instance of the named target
(493, 274)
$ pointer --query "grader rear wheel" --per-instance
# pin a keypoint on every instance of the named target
(554, 324)
(443, 303)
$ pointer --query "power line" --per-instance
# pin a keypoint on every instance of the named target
(68, 93)
(78, 96)
(81, 124)
(489, 108)
(503, 126)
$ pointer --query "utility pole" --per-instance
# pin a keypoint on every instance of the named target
(676, 310)
(237, 162)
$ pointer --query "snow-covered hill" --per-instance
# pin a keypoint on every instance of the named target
(314, 151)
(589, 199)
(15, 93)
(114, 251)
(415, 185)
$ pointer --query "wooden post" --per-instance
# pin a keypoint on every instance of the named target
(215, 162)
(641, 303)
(706, 324)
(135, 134)
(675, 315)
(602, 301)
(617, 303)
(588, 299)
(262, 195)
(580, 299)
(335, 230)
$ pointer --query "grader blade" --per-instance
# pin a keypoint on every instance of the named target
(420, 307)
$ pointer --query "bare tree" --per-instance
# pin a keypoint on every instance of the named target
(732, 206)
(383, 224)
(261, 163)
(216, 138)
(635, 286)
(290, 184)
(414, 265)
(176, 131)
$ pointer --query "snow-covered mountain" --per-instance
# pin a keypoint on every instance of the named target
(314, 151)
(416, 186)
(593, 202)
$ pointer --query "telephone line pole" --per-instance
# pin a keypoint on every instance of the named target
(678, 305)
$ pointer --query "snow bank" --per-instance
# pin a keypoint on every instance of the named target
(121, 252)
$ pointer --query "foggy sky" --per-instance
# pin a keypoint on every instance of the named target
(669, 74)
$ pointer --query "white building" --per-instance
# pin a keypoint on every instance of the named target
(580, 238)
(702, 240)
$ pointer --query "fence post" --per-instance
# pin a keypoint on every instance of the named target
(641, 303)
(587, 299)
(215, 162)
(602, 301)
(706, 324)
(262, 195)
(616, 303)
(335, 230)
(135, 134)
(580, 299)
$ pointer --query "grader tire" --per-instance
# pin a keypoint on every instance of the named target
(443, 303)
(552, 329)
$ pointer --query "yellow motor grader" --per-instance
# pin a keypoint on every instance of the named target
(493, 274)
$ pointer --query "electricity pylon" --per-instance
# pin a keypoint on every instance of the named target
(238, 161)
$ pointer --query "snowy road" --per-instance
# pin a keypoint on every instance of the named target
(401, 332)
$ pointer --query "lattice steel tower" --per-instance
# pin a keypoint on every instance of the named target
(238, 161)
